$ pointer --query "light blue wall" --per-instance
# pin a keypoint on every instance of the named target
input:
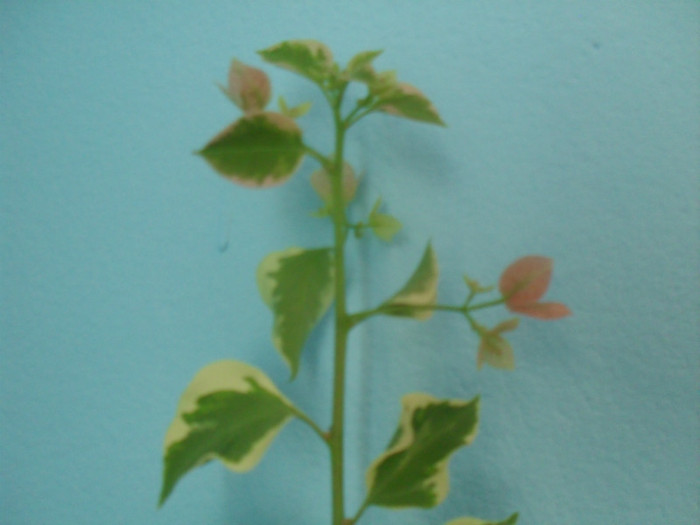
(574, 131)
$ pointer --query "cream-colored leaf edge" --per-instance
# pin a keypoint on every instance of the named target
(423, 292)
(266, 285)
(440, 481)
(226, 375)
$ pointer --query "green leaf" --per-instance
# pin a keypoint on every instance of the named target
(298, 285)
(512, 520)
(308, 58)
(381, 84)
(258, 150)
(413, 470)
(408, 101)
(230, 411)
(360, 66)
(420, 290)
(295, 111)
(383, 226)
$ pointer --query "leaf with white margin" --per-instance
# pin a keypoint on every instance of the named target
(413, 471)
(420, 290)
(258, 150)
(298, 285)
(512, 520)
(409, 102)
(308, 58)
(230, 411)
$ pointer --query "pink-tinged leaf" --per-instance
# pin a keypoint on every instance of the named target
(526, 280)
(543, 310)
(524, 283)
(248, 87)
(321, 183)
(259, 150)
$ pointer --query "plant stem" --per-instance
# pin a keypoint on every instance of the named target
(310, 422)
(386, 309)
(336, 441)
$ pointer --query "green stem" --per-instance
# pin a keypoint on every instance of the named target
(337, 433)
(311, 423)
(358, 515)
(486, 304)
(386, 309)
(320, 157)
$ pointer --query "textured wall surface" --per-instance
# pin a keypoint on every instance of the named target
(127, 265)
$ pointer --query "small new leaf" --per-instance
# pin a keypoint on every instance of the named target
(419, 292)
(413, 471)
(383, 226)
(295, 111)
(360, 66)
(258, 150)
(248, 87)
(475, 287)
(308, 58)
(512, 520)
(230, 411)
(524, 283)
(494, 349)
(298, 285)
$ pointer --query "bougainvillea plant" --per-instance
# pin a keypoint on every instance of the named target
(232, 411)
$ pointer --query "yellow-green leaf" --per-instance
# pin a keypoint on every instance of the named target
(383, 225)
(419, 291)
(512, 520)
(295, 111)
(408, 101)
(258, 150)
(494, 349)
(360, 66)
(298, 285)
(413, 470)
(309, 58)
(230, 411)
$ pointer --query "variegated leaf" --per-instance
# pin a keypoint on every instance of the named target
(298, 285)
(409, 102)
(413, 471)
(512, 520)
(230, 411)
(420, 290)
(309, 58)
(258, 150)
